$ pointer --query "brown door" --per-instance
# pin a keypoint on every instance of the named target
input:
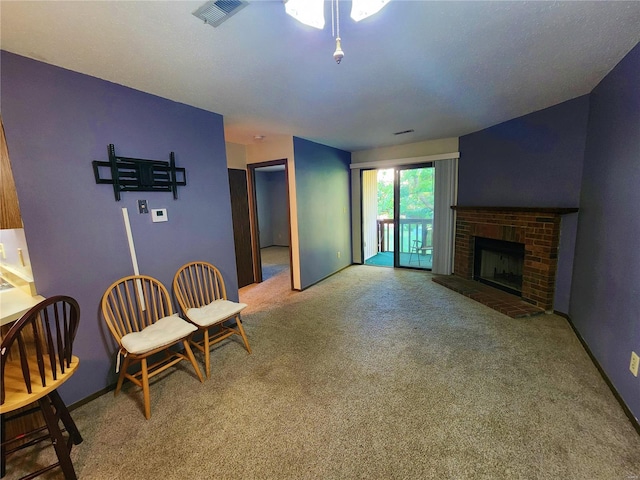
(241, 226)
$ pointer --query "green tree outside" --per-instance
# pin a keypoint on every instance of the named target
(416, 193)
(416, 203)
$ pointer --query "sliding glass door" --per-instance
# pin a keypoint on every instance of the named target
(413, 216)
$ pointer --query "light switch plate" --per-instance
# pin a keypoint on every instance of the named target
(159, 215)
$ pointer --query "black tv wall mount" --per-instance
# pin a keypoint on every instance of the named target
(140, 175)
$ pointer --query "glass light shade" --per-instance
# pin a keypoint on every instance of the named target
(309, 12)
(361, 9)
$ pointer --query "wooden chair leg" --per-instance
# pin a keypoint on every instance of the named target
(123, 371)
(192, 359)
(244, 336)
(63, 412)
(207, 354)
(62, 451)
(3, 434)
(145, 389)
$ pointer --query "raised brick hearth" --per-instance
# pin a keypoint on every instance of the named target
(537, 228)
(503, 302)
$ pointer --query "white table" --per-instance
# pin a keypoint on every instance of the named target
(14, 303)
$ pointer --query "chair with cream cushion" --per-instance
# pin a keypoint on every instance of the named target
(202, 296)
(139, 314)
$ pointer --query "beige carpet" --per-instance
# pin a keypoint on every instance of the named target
(373, 373)
(274, 260)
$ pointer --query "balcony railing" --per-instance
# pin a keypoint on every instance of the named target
(411, 229)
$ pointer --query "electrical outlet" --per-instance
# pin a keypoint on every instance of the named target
(338, 254)
(635, 361)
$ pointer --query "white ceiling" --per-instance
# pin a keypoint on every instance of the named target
(443, 69)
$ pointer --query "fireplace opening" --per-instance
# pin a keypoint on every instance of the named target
(499, 263)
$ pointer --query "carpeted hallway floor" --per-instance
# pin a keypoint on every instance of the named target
(373, 373)
(275, 259)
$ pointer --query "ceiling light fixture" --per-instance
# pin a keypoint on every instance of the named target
(311, 12)
(361, 9)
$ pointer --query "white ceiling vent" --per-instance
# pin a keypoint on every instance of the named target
(216, 12)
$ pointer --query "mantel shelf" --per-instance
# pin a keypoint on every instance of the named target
(552, 210)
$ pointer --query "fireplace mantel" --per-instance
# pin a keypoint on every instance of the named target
(551, 210)
(538, 228)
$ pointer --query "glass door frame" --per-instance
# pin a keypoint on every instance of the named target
(396, 211)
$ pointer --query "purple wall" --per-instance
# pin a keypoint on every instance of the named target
(56, 123)
(263, 205)
(605, 297)
(324, 212)
(531, 161)
(280, 209)
(273, 218)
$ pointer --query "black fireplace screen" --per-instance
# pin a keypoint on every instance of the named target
(499, 264)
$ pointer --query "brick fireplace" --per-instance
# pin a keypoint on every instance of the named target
(537, 228)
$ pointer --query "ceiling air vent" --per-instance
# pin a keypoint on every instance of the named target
(214, 13)
(404, 132)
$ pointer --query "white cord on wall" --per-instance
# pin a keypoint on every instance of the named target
(132, 251)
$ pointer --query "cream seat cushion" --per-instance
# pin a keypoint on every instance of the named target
(214, 312)
(165, 331)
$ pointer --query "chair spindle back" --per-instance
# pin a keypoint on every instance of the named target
(198, 284)
(133, 303)
(46, 332)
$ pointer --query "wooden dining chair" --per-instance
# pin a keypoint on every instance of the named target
(140, 317)
(37, 357)
(202, 296)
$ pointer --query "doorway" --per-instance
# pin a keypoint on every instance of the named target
(414, 205)
(397, 213)
(270, 219)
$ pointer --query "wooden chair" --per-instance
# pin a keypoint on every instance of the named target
(139, 314)
(202, 296)
(37, 358)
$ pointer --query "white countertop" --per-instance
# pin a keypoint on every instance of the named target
(14, 302)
